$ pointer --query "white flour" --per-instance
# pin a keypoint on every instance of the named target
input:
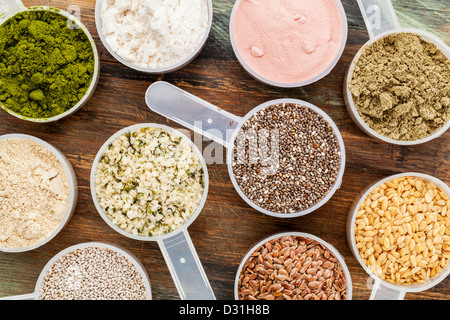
(154, 33)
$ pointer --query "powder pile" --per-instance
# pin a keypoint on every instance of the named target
(401, 87)
(34, 193)
(154, 33)
(47, 68)
(288, 41)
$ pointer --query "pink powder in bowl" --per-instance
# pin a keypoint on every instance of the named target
(288, 41)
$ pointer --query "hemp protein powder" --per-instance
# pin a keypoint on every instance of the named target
(34, 193)
(401, 87)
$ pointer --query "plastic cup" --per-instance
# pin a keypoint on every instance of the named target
(332, 249)
(73, 190)
(384, 290)
(176, 246)
(388, 25)
(12, 7)
(223, 127)
(316, 78)
(139, 267)
(167, 69)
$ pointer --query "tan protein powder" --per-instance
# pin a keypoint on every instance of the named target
(34, 193)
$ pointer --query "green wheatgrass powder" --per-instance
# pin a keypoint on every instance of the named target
(45, 67)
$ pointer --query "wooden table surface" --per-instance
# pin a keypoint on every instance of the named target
(227, 227)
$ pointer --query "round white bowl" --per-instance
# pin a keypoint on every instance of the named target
(332, 249)
(105, 217)
(330, 193)
(124, 252)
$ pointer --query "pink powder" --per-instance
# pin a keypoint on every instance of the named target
(288, 41)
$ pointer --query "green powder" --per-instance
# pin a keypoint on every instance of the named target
(45, 67)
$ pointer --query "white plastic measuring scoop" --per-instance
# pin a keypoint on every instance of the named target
(313, 79)
(383, 290)
(223, 127)
(380, 19)
(176, 246)
(137, 264)
(294, 234)
(73, 190)
(168, 69)
(8, 8)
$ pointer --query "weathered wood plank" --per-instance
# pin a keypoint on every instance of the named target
(227, 227)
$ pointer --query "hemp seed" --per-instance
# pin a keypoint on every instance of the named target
(149, 181)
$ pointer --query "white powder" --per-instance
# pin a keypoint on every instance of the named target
(154, 33)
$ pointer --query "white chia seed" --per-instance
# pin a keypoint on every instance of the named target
(93, 273)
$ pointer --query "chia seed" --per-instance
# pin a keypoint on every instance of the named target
(286, 158)
(93, 273)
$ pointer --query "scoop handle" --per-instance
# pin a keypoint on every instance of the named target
(192, 112)
(28, 296)
(381, 292)
(8, 7)
(379, 16)
(185, 267)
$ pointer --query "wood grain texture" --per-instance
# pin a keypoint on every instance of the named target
(227, 227)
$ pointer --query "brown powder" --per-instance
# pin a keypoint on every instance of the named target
(34, 193)
(401, 87)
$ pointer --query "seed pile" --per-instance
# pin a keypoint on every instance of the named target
(286, 158)
(292, 268)
(149, 181)
(402, 230)
(93, 273)
(401, 87)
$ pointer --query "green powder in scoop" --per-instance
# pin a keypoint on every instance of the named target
(46, 67)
